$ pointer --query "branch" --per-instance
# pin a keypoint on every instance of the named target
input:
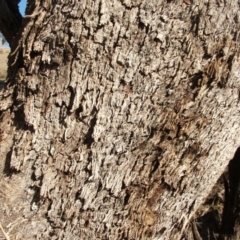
(10, 19)
(231, 205)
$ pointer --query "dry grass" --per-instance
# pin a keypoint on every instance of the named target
(4, 233)
(3, 62)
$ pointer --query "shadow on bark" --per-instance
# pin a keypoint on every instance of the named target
(219, 217)
(2, 83)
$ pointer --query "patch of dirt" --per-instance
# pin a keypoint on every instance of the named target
(3, 62)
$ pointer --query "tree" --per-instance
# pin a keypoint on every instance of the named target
(118, 117)
(2, 39)
(11, 19)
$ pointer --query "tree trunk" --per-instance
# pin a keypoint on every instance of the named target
(118, 117)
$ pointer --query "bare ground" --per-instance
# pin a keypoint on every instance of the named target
(3, 62)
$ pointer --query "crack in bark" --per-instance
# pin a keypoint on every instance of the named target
(89, 138)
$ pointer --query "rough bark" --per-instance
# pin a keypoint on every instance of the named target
(118, 117)
(218, 218)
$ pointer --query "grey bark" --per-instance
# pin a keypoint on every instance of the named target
(118, 117)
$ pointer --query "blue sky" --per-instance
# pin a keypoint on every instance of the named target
(22, 6)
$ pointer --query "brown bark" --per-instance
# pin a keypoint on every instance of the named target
(118, 117)
(231, 210)
(218, 218)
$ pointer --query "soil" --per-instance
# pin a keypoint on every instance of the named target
(3, 65)
(3, 62)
